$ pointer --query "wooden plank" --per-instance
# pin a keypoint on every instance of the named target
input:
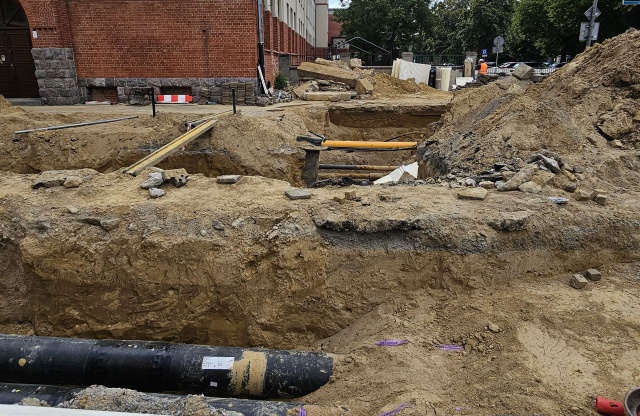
(166, 150)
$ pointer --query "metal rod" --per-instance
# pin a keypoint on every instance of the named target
(357, 167)
(367, 145)
(233, 99)
(153, 101)
(68, 126)
(369, 176)
(592, 21)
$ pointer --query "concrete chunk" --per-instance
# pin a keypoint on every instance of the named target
(156, 192)
(364, 86)
(530, 187)
(523, 72)
(582, 195)
(478, 194)
(228, 179)
(326, 96)
(298, 194)
(594, 275)
(311, 70)
(578, 281)
(155, 179)
(601, 199)
(524, 175)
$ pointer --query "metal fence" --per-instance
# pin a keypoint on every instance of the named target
(494, 70)
(373, 59)
(444, 60)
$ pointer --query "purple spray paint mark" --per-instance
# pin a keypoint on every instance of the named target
(391, 342)
(303, 412)
(450, 347)
(397, 410)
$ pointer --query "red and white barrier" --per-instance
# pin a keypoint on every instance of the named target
(173, 99)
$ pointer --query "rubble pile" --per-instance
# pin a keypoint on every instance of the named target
(585, 115)
(335, 81)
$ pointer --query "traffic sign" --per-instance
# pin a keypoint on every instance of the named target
(496, 49)
(484, 53)
(597, 13)
(498, 41)
(584, 30)
(630, 2)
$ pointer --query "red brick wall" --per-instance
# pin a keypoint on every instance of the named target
(164, 39)
(160, 38)
(334, 28)
(49, 19)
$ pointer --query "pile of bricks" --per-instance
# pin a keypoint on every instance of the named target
(245, 93)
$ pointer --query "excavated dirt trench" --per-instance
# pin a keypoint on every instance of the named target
(262, 145)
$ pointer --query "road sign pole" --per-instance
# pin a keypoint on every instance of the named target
(592, 21)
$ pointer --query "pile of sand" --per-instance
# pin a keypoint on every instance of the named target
(387, 87)
(577, 113)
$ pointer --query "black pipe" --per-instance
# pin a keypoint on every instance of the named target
(153, 101)
(233, 99)
(54, 395)
(161, 366)
(260, 47)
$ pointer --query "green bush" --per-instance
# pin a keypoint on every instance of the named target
(281, 82)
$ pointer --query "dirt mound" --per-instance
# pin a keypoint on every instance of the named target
(260, 146)
(4, 103)
(576, 113)
(387, 87)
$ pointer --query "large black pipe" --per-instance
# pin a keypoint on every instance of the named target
(163, 367)
(11, 393)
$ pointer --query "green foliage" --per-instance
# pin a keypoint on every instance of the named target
(281, 82)
(533, 29)
(391, 24)
(550, 27)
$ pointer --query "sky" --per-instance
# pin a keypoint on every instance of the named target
(334, 4)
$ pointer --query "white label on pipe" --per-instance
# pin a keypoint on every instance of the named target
(217, 363)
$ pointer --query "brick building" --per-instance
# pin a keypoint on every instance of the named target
(70, 51)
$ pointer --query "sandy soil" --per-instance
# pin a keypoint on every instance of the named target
(243, 265)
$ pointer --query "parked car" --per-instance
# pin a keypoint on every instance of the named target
(507, 65)
(557, 65)
(535, 65)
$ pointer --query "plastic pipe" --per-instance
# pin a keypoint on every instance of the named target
(161, 366)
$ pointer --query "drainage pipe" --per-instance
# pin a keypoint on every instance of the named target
(160, 366)
(55, 395)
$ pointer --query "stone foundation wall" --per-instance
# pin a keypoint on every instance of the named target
(57, 78)
(124, 86)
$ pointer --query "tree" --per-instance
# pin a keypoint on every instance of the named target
(531, 30)
(485, 20)
(469, 25)
(550, 27)
(447, 36)
(391, 24)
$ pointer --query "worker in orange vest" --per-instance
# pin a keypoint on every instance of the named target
(483, 67)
